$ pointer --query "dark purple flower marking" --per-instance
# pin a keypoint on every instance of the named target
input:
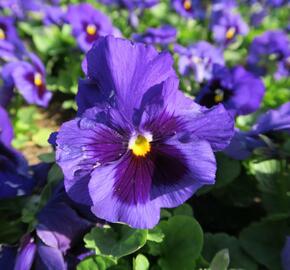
(138, 144)
(240, 91)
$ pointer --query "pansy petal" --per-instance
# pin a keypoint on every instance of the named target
(127, 69)
(49, 258)
(215, 125)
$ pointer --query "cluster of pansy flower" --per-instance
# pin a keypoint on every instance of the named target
(138, 144)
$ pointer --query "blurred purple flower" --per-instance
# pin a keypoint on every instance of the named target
(131, 4)
(59, 225)
(226, 25)
(285, 254)
(192, 9)
(29, 79)
(271, 47)
(238, 90)
(269, 123)
(142, 144)
(11, 47)
(14, 177)
(88, 24)
(199, 58)
(163, 35)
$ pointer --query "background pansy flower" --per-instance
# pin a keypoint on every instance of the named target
(162, 35)
(270, 52)
(29, 79)
(192, 9)
(88, 24)
(226, 26)
(11, 47)
(198, 58)
(237, 89)
(139, 144)
(268, 124)
(14, 177)
(59, 229)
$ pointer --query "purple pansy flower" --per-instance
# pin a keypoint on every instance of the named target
(88, 24)
(131, 4)
(226, 25)
(199, 58)
(163, 35)
(192, 9)
(11, 47)
(237, 89)
(7, 257)
(272, 46)
(269, 123)
(59, 224)
(29, 79)
(285, 255)
(138, 144)
(59, 229)
(6, 129)
(14, 177)
(41, 256)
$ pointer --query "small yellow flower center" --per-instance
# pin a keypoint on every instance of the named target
(219, 96)
(196, 60)
(230, 33)
(37, 79)
(2, 34)
(140, 146)
(91, 29)
(187, 5)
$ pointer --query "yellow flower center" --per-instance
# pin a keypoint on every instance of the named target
(219, 96)
(196, 60)
(2, 34)
(140, 145)
(91, 29)
(37, 79)
(187, 4)
(230, 33)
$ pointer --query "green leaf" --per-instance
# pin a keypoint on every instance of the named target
(216, 242)
(106, 241)
(221, 260)
(47, 157)
(95, 263)
(264, 241)
(140, 263)
(182, 244)
(155, 235)
(184, 210)
(227, 170)
(273, 184)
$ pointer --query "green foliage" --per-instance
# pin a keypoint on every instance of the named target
(213, 243)
(140, 263)
(115, 243)
(220, 261)
(182, 244)
(264, 240)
